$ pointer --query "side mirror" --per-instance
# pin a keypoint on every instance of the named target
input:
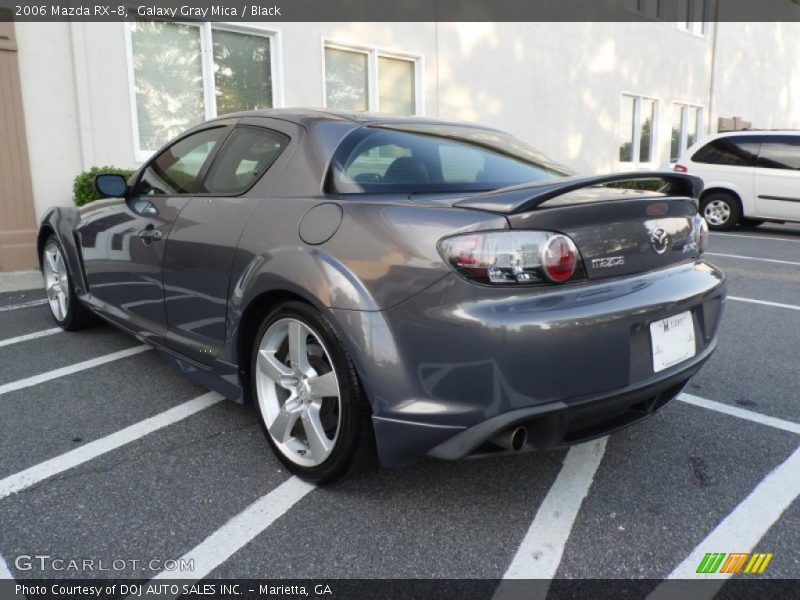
(111, 185)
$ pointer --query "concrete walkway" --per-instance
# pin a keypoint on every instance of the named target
(15, 281)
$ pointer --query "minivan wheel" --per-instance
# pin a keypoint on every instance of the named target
(313, 411)
(65, 307)
(720, 210)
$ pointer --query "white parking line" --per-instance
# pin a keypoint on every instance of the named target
(756, 237)
(44, 470)
(743, 529)
(240, 530)
(769, 260)
(5, 572)
(539, 554)
(23, 305)
(749, 415)
(30, 336)
(764, 302)
(81, 366)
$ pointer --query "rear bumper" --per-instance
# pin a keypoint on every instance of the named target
(457, 363)
(559, 424)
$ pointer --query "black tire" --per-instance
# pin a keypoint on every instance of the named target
(77, 315)
(748, 222)
(354, 447)
(728, 203)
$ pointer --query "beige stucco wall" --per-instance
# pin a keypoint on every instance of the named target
(758, 74)
(556, 85)
(48, 98)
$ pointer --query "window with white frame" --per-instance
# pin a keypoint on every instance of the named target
(687, 123)
(637, 129)
(367, 79)
(182, 74)
(693, 16)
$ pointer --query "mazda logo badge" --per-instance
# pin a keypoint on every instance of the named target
(660, 240)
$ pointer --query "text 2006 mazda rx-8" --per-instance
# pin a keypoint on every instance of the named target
(422, 287)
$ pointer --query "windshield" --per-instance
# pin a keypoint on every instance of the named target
(435, 158)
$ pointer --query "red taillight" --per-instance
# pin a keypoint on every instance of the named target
(511, 257)
(466, 251)
(681, 169)
(559, 257)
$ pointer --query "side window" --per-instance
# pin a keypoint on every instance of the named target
(733, 151)
(249, 152)
(175, 170)
(780, 153)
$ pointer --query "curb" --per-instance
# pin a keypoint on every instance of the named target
(16, 281)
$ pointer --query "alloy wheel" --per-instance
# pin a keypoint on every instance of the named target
(56, 281)
(298, 392)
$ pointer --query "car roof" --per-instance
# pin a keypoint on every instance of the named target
(755, 132)
(303, 116)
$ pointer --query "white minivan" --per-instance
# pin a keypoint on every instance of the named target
(749, 176)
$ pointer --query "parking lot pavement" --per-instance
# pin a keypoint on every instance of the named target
(83, 407)
(755, 366)
(17, 322)
(662, 484)
(127, 459)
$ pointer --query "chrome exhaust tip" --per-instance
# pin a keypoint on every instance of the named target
(511, 439)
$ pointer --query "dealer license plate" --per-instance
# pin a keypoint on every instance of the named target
(673, 340)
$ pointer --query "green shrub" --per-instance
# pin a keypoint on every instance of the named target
(83, 190)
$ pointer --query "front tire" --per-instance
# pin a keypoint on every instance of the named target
(721, 211)
(67, 310)
(308, 396)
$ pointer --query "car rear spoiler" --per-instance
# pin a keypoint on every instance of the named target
(520, 198)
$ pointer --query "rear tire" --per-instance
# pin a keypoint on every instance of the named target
(68, 312)
(312, 409)
(721, 211)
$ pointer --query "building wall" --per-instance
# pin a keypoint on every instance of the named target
(758, 74)
(48, 99)
(558, 85)
(555, 85)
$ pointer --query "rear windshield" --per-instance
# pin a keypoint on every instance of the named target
(435, 158)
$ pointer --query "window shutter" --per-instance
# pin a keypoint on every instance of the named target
(396, 86)
(168, 76)
(242, 71)
(346, 86)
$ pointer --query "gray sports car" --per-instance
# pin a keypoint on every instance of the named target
(422, 287)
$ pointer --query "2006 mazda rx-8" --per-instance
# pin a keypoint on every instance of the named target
(422, 287)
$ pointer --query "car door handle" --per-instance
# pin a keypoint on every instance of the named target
(149, 234)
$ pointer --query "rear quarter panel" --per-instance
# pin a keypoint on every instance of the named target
(381, 254)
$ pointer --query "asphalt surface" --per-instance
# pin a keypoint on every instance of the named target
(661, 487)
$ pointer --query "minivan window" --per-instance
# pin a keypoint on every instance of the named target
(247, 154)
(435, 158)
(176, 169)
(780, 152)
(736, 151)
